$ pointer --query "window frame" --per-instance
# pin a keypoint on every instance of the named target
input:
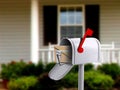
(59, 25)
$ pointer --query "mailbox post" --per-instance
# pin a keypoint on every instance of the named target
(81, 77)
(68, 56)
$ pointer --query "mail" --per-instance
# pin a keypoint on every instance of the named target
(63, 54)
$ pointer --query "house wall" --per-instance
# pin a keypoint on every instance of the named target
(15, 24)
(110, 22)
(14, 30)
(109, 17)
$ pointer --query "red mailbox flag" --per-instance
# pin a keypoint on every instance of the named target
(89, 32)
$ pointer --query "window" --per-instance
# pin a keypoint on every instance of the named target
(71, 21)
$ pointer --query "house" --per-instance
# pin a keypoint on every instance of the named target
(29, 25)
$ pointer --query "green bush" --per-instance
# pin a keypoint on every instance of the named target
(33, 69)
(110, 69)
(23, 83)
(12, 70)
(45, 83)
(18, 69)
(89, 67)
(70, 80)
(97, 81)
(49, 66)
(40, 68)
(74, 69)
(29, 69)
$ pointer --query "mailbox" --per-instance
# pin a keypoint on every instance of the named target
(90, 54)
(68, 56)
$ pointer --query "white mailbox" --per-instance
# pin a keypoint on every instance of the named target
(90, 54)
(91, 51)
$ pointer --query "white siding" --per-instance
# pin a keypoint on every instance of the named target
(14, 30)
(110, 22)
(109, 17)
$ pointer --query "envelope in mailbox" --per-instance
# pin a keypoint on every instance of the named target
(64, 64)
(63, 54)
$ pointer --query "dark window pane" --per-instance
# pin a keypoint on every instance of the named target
(71, 31)
(71, 15)
(63, 16)
(79, 15)
(79, 31)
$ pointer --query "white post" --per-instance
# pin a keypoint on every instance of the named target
(113, 53)
(34, 31)
(119, 57)
(81, 77)
(49, 53)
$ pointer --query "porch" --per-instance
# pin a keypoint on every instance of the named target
(23, 33)
(109, 54)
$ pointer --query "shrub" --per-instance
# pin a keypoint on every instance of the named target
(74, 69)
(29, 69)
(12, 70)
(110, 69)
(40, 68)
(23, 83)
(49, 66)
(33, 69)
(70, 80)
(97, 81)
(89, 67)
(45, 83)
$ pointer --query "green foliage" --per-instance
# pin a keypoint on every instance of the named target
(110, 69)
(89, 67)
(33, 69)
(15, 72)
(40, 68)
(74, 69)
(23, 83)
(28, 70)
(45, 83)
(70, 80)
(12, 70)
(97, 81)
(18, 69)
(49, 66)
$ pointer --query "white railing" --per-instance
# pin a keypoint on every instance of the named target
(109, 54)
(46, 55)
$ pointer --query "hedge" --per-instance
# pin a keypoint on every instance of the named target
(23, 83)
(97, 81)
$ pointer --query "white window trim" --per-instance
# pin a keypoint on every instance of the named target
(58, 17)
